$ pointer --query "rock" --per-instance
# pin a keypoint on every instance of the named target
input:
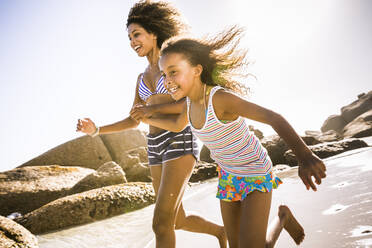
(84, 151)
(276, 147)
(88, 206)
(203, 171)
(135, 164)
(109, 173)
(325, 150)
(360, 127)
(205, 155)
(256, 132)
(327, 136)
(28, 188)
(334, 122)
(280, 168)
(358, 107)
(13, 235)
(310, 140)
(119, 143)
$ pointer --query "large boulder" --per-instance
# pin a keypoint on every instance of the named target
(28, 188)
(84, 151)
(358, 107)
(205, 155)
(135, 164)
(109, 173)
(119, 143)
(360, 127)
(325, 150)
(88, 206)
(13, 235)
(334, 122)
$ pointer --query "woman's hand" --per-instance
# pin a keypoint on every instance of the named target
(139, 112)
(311, 166)
(86, 126)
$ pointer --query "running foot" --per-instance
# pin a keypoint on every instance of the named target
(291, 224)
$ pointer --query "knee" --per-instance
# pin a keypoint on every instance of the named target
(163, 222)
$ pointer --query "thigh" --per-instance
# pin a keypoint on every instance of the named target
(231, 212)
(254, 219)
(156, 171)
(174, 177)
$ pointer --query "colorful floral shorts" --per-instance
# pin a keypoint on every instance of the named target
(235, 188)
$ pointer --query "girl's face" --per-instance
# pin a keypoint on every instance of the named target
(179, 74)
(141, 41)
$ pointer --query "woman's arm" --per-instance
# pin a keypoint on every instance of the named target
(172, 123)
(88, 126)
(228, 104)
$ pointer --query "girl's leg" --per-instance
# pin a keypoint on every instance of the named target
(231, 213)
(286, 220)
(255, 209)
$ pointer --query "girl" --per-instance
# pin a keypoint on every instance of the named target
(203, 72)
(149, 24)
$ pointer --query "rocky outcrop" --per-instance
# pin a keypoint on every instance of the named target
(325, 150)
(203, 171)
(88, 206)
(358, 107)
(327, 136)
(109, 173)
(360, 126)
(13, 235)
(28, 188)
(205, 155)
(338, 123)
(84, 151)
(276, 147)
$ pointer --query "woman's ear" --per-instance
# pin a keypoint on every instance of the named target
(198, 70)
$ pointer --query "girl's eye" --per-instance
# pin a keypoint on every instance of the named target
(173, 72)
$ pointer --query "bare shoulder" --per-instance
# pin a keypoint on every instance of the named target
(223, 97)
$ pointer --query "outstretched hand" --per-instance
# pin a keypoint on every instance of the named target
(86, 125)
(312, 167)
(140, 112)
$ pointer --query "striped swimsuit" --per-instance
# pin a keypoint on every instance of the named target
(244, 163)
(166, 146)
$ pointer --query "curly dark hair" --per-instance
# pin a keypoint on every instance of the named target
(159, 18)
(219, 56)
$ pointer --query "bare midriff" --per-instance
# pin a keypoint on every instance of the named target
(159, 99)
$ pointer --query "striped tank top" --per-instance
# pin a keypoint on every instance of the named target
(232, 145)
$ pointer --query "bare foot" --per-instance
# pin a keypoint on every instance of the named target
(222, 239)
(291, 224)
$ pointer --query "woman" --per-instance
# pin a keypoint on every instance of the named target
(172, 155)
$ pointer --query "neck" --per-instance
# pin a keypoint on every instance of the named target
(197, 92)
(153, 57)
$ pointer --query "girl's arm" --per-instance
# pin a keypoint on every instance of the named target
(228, 105)
(88, 126)
(164, 108)
(172, 123)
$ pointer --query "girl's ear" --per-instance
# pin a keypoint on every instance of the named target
(198, 70)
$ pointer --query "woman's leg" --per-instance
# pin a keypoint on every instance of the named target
(169, 183)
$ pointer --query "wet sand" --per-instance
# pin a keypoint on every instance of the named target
(338, 215)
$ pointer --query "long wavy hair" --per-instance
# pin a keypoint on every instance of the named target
(223, 63)
(159, 18)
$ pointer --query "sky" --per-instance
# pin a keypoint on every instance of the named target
(64, 60)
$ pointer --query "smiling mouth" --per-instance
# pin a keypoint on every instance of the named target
(136, 48)
(173, 89)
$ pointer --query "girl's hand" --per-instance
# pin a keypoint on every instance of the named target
(86, 126)
(311, 167)
(139, 112)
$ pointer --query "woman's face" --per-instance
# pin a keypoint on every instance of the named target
(179, 74)
(141, 41)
